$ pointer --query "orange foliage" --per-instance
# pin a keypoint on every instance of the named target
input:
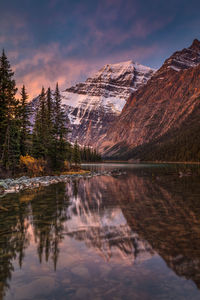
(66, 165)
(34, 167)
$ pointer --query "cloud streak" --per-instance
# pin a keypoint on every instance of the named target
(46, 66)
(66, 41)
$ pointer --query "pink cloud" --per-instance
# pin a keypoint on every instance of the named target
(45, 67)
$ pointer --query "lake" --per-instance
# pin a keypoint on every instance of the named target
(132, 236)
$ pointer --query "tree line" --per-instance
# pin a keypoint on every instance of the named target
(46, 139)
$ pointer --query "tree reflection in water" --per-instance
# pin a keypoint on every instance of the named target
(130, 217)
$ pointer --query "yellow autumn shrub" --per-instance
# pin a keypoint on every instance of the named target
(66, 165)
(34, 167)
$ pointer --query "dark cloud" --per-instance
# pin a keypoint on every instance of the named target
(65, 40)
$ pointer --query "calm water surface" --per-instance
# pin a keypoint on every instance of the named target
(134, 236)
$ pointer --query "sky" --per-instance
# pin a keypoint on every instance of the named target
(66, 41)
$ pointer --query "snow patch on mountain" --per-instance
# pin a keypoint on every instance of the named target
(106, 91)
(92, 102)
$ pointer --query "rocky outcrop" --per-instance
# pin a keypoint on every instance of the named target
(168, 98)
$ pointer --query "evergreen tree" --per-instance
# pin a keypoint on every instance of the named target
(59, 115)
(50, 107)
(89, 155)
(60, 144)
(50, 128)
(9, 125)
(76, 159)
(49, 133)
(69, 152)
(11, 146)
(84, 154)
(24, 113)
(40, 128)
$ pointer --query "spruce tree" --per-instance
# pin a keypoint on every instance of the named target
(88, 154)
(76, 154)
(39, 149)
(84, 154)
(24, 114)
(50, 108)
(11, 147)
(60, 130)
(9, 125)
(51, 137)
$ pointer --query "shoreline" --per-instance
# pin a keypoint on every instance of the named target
(15, 185)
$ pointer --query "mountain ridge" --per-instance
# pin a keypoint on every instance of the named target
(98, 101)
(164, 102)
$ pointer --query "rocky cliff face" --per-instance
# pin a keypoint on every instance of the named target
(93, 106)
(168, 98)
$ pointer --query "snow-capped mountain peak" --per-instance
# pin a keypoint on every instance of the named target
(114, 79)
(92, 105)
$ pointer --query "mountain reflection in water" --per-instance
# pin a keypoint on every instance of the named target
(124, 220)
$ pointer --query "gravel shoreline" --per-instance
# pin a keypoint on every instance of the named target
(10, 185)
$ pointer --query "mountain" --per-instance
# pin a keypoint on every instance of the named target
(102, 227)
(158, 109)
(92, 106)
